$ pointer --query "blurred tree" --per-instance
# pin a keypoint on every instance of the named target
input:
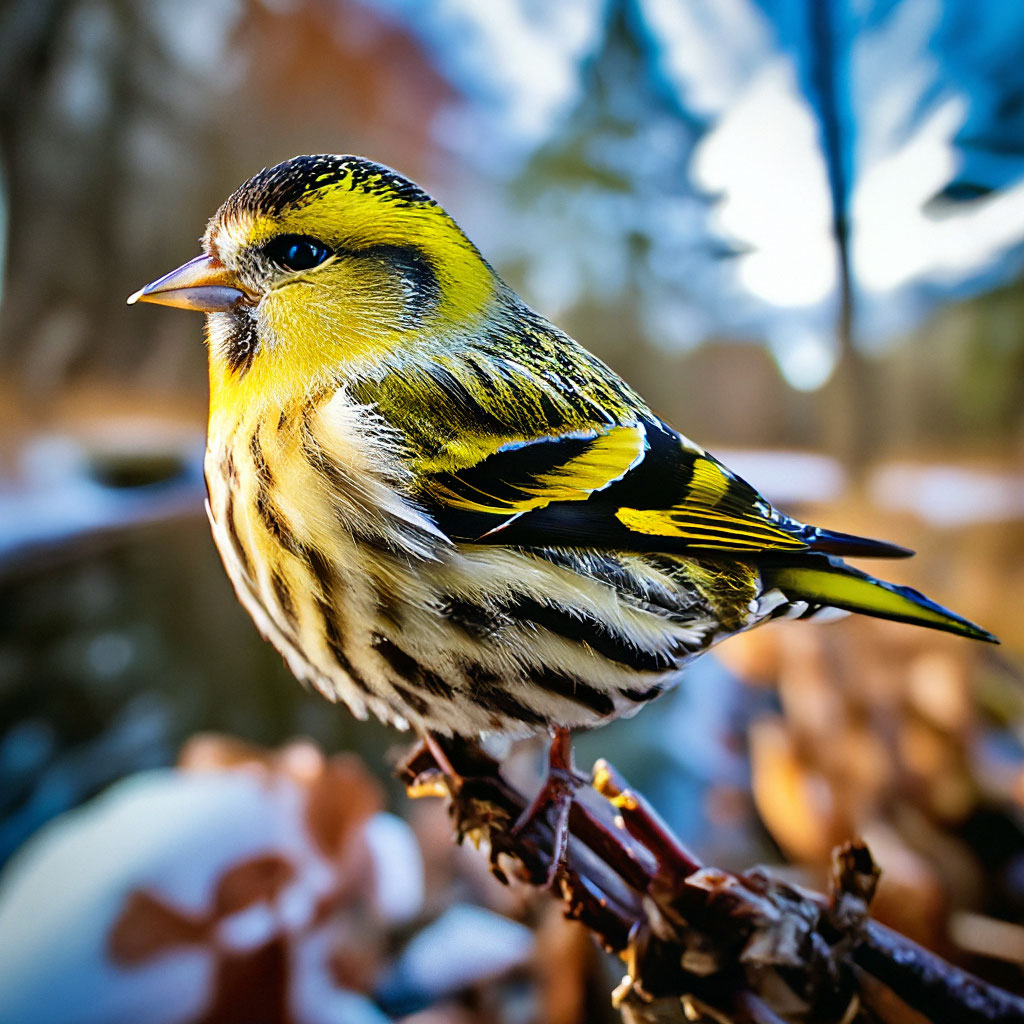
(96, 104)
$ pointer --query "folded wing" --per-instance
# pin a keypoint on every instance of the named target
(636, 486)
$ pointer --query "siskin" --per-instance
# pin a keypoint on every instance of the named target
(443, 510)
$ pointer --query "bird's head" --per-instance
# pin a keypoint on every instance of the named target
(320, 267)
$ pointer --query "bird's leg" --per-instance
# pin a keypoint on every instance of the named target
(439, 754)
(551, 805)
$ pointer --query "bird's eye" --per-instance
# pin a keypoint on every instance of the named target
(296, 252)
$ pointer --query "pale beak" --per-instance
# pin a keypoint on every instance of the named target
(203, 283)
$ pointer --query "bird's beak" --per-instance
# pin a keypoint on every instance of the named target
(203, 283)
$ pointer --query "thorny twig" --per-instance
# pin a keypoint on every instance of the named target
(702, 944)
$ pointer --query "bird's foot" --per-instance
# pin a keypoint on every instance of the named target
(549, 810)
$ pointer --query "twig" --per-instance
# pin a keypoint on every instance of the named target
(931, 986)
(700, 943)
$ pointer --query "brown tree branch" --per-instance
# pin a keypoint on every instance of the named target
(700, 943)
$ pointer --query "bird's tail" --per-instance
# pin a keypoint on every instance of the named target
(829, 582)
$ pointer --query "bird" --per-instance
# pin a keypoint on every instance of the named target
(444, 511)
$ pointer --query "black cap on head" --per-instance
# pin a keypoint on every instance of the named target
(290, 183)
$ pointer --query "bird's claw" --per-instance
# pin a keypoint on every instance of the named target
(550, 808)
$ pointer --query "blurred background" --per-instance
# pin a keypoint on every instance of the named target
(796, 227)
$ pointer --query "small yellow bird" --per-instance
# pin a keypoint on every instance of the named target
(443, 510)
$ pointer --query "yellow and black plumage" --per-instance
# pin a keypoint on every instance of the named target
(442, 509)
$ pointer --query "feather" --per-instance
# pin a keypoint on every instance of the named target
(829, 582)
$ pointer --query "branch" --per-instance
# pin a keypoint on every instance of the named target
(700, 943)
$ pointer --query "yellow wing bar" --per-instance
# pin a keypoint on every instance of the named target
(521, 477)
(705, 527)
